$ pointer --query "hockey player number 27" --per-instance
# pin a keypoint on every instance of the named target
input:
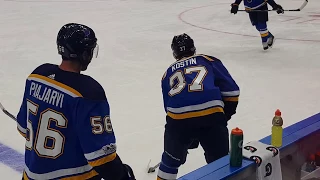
(45, 132)
(179, 76)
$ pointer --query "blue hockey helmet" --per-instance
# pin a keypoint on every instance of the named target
(182, 46)
(77, 42)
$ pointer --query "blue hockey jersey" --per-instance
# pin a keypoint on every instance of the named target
(255, 4)
(65, 119)
(197, 86)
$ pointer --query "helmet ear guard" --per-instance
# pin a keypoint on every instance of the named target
(87, 55)
(85, 60)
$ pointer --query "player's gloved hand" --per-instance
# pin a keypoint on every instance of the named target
(278, 8)
(130, 172)
(194, 144)
(234, 8)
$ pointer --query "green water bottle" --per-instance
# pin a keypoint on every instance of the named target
(236, 147)
(276, 132)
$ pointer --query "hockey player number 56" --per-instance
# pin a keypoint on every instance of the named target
(179, 76)
(45, 132)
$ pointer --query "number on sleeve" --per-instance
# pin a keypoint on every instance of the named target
(108, 125)
(98, 128)
(196, 85)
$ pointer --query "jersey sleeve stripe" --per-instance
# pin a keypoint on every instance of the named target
(101, 152)
(60, 86)
(195, 114)
(22, 134)
(21, 129)
(197, 107)
(103, 160)
(164, 75)
(232, 99)
(25, 177)
(230, 93)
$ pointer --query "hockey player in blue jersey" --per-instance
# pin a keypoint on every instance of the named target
(65, 117)
(259, 19)
(199, 96)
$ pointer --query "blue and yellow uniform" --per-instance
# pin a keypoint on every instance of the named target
(253, 4)
(198, 86)
(259, 19)
(199, 97)
(65, 119)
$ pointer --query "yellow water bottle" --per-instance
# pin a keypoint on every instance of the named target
(276, 134)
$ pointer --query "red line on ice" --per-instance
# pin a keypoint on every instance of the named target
(307, 21)
(180, 16)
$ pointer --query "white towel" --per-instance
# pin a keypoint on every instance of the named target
(267, 158)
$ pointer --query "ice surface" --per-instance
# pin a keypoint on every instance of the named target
(8, 173)
(134, 38)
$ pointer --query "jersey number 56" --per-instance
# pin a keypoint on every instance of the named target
(45, 132)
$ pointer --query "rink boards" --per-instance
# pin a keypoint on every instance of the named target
(299, 140)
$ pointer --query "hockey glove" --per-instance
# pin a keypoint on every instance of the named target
(234, 8)
(278, 8)
(130, 172)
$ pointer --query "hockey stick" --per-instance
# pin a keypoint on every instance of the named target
(153, 169)
(299, 9)
(7, 112)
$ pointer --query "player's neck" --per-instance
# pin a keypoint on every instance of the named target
(70, 66)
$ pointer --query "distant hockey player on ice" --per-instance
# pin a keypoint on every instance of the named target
(199, 96)
(65, 117)
(259, 19)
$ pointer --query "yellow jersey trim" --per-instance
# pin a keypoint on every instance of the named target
(22, 134)
(195, 114)
(103, 160)
(87, 175)
(232, 99)
(264, 34)
(61, 85)
(25, 177)
(208, 58)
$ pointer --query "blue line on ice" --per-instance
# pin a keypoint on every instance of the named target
(11, 158)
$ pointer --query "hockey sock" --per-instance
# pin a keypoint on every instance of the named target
(263, 30)
(168, 168)
(166, 172)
